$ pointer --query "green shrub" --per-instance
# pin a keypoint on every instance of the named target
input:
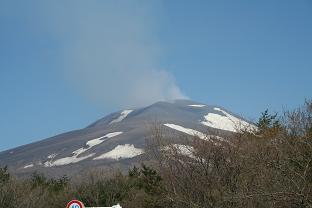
(4, 175)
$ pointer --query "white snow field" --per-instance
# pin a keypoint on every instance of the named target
(227, 122)
(76, 153)
(181, 149)
(197, 106)
(121, 152)
(29, 166)
(122, 116)
(67, 160)
(193, 132)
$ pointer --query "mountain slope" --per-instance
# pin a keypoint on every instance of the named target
(118, 139)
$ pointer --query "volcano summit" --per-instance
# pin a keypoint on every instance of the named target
(119, 139)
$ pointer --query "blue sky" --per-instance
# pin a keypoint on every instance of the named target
(64, 64)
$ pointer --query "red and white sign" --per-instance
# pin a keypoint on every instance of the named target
(75, 204)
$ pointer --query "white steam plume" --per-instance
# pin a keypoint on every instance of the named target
(111, 52)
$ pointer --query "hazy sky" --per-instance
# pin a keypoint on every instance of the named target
(64, 64)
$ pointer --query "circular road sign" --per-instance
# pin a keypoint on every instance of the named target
(75, 204)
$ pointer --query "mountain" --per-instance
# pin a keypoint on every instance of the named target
(118, 140)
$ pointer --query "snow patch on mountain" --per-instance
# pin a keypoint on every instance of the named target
(122, 116)
(197, 106)
(97, 141)
(226, 122)
(76, 153)
(188, 131)
(67, 160)
(121, 152)
(180, 149)
(193, 132)
(29, 166)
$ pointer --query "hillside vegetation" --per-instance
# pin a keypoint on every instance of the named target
(269, 167)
